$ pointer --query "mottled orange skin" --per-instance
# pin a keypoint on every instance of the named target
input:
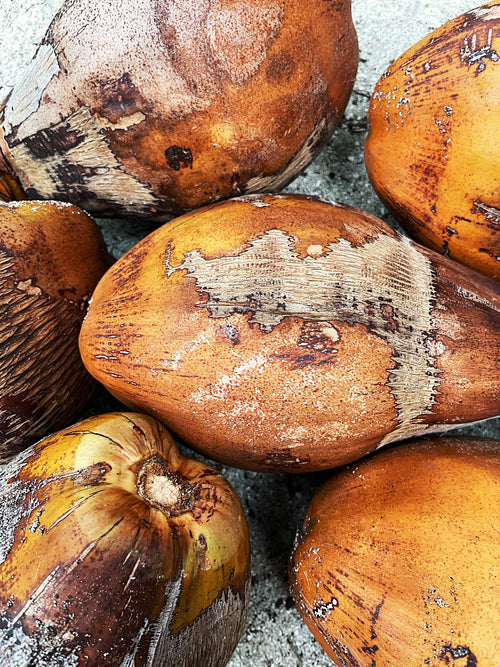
(51, 258)
(433, 147)
(91, 570)
(57, 246)
(397, 559)
(190, 101)
(332, 374)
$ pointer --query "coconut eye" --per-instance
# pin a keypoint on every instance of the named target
(116, 548)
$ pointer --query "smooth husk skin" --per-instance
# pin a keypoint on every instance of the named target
(149, 108)
(397, 559)
(51, 258)
(93, 573)
(287, 333)
(433, 146)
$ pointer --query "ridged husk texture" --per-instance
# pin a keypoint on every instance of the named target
(433, 147)
(117, 550)
(51, 258)
(288, 333)
(397, 559)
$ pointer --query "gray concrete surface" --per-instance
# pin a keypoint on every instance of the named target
(275, 504)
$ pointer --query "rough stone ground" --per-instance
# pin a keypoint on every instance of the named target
(275, 504)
